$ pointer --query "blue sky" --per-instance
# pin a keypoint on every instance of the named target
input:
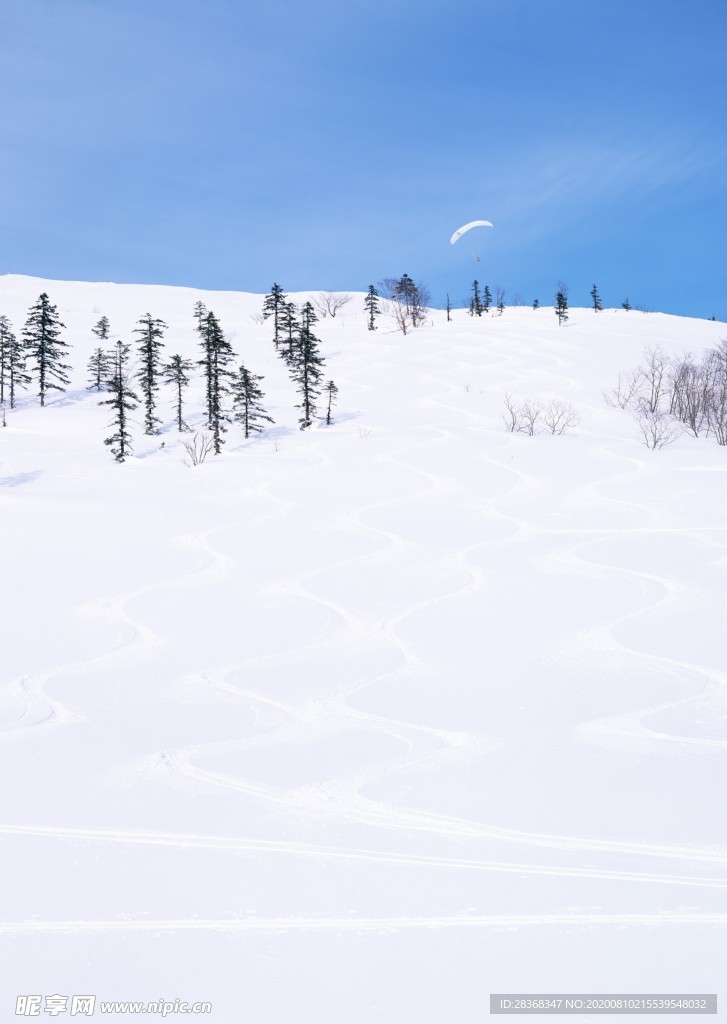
(325, 145)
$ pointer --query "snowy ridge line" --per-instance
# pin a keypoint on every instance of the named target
(314, 851)
(370, 924)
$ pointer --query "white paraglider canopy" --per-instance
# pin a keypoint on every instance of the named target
(468, 227)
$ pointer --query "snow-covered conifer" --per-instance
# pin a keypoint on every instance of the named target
(306, 368)
(217, 356)
(151, 332)
(43, 344)
(561, 304)
(13, 374)
(331, 394)
(175, 372)
(200, 312)
(102, 329)
(371, 305)
(99, 370)
(289, 326)
(274, 306)
(247, 402)
(123, 401)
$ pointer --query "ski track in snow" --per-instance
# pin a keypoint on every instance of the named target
(369, 925)
(341, 797)
(422, 745)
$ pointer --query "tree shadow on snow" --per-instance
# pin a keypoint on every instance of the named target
(20, 478)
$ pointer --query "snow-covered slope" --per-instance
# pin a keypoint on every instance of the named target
(368, 721)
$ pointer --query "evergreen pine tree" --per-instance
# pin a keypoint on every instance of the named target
(274, 306)
(561, 305)
(123, 401)
(102, 328)
(6, 339)
(149, 349)
(13, 374)
(200, 312)
(371, 305)
(247, 402)
(217, 356)
(449, 308)
(306, 366)
(43, 344)
(536, 303)
(99, 369)
(289, 325)
(626, 304)
(6, 333)
(486, 299)
(331, 392)
(175, 373)
(596, 298)
(412, 300)
(476, 307)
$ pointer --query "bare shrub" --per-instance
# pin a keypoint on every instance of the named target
(257, 318)
(627, 391)
(198, 449)
(560, 416)
(398, 314)
(715, 372)
(329, 303)
(404, 302)
(657, 429)
(654, 377)
(689, 386)
(529, 415)
(511, 416)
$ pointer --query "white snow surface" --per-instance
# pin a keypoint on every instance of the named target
(364, 722)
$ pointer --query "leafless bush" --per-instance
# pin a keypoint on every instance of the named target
(654, 377)
(406, 303)
(518, 300)
(198, 449)
(715, 371)
(689, 398)
(657, 429)
(627, 390)
(560, 416)
(329, 303)
(257, 318)
(524, 417)
(398, 314)
(387, 286)
(511, 416)
(529, 415)
(499, 298)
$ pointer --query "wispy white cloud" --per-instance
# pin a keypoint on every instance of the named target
(547, 182)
